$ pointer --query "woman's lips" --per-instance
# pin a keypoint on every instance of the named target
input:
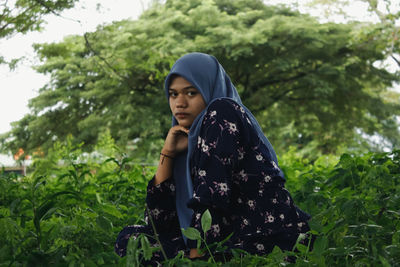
(181, 115)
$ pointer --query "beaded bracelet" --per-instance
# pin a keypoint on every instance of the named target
(165, 156)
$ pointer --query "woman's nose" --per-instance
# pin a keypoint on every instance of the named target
(181, 101)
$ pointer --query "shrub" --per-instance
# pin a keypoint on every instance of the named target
(70, 208)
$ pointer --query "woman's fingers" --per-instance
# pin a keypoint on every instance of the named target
(177, 140)
(180, 128)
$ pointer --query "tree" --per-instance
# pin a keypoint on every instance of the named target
(22, 16)
(385, 11)
(310, 84)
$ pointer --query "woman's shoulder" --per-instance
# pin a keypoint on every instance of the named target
(224, 103)
(224, 113)
(225, 108)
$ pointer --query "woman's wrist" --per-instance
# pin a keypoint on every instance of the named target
(167, 153)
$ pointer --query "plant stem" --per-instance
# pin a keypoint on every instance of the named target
(155, 233)
(208, 249)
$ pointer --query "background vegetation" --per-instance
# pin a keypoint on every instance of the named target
(316, 86)
(321, 92)
(70, 214)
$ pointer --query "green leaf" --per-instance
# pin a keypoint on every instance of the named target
(191, 233)
(104, 223)
(384, 261)
(112, 210)
(147, 251)
(206, 221)
(320, 244)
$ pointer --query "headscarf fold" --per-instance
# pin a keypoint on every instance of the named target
(207, 75)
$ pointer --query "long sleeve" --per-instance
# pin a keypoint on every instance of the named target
(161, 205)
(217, 154)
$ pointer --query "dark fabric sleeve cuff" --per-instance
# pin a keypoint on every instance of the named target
(160, 192)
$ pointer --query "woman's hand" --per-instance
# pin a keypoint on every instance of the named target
(176, 141)
(194, 253)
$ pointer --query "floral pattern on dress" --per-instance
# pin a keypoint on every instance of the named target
(241, 183)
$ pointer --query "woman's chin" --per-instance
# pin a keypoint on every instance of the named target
(185, 124)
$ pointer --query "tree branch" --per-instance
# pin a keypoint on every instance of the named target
(395, 59)
(89, 46)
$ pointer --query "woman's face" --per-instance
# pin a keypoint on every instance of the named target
(185, 101)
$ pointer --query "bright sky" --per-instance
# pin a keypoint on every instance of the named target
(22, 84)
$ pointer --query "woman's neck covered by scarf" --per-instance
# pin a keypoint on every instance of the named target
(207, 75)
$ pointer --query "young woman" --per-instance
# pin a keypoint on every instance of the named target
(216, 157)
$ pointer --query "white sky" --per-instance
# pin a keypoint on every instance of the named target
(22, 84)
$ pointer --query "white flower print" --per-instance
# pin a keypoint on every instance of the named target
(232, 127)
(267, 178)
(282, 217)
(239, 200)
(215, 229)
(260, 247)
(251, 204)
(199, 141)
(259, 157)
(274, 200)
(242, 109)
(155, 212)
(202, 173)
(269, 218)
(172, 187)
(223, 188)
(248, 121)
(213, 113)
(300, 224)
(204, 147)
(244, 223)
(243, 175)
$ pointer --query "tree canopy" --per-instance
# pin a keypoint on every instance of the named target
(313, 85)
(22, 16)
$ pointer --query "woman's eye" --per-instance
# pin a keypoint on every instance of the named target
(173, 94)
(192, 93)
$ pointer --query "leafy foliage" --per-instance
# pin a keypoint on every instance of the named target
(22, 16)
(70, 208)
(309, 84)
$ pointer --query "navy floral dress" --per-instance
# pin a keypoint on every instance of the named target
(234, 178)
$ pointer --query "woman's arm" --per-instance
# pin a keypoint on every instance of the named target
(160, 201)
(175, 143)
(161, 189)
